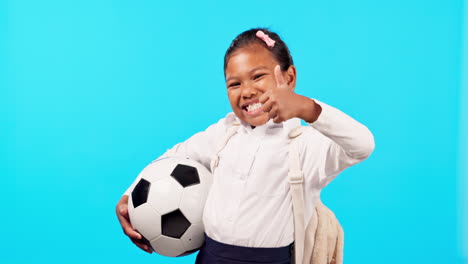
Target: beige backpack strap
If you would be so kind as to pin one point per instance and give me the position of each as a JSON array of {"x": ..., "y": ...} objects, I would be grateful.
[
  {"x": 330, "y": 247},
  {"x": 230, "y": 132},
  {"x": 296, "y": 180}
]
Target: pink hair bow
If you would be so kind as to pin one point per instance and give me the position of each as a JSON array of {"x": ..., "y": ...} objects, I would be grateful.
[{"x": 266, "y": 38}]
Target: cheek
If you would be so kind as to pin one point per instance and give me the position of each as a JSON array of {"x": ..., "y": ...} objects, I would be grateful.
[
  {"x": 266, "y": 84},
  {"x": 233, "y": 95}
]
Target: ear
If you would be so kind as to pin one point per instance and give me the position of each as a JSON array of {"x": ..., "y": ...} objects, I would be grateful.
[{"x": 291, "y": 76}]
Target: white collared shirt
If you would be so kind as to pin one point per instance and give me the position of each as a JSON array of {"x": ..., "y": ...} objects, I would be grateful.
[{"x": 249, "y": 203}]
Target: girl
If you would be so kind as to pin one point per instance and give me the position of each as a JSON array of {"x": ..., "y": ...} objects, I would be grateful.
[{"x": 248, "y": 215}]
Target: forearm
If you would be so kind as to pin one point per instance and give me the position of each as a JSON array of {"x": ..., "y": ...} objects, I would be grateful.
[
  {"x": 309, "y": 110},
  {"x": 352, "y": 136}
]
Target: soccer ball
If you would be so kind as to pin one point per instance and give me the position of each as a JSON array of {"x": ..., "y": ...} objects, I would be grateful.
[{"x": 166, "y": 205}]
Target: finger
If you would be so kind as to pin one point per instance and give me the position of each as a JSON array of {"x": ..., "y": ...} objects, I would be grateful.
[
  {"x": 127, "y": 227},
  {"x": 277, "y": 119},
  {"x": 266, "y": 107},
  {"x": 273, "y": 112},
  {"x": 130, "y": 232},
  {"x": 142, "y": 245},
  {"x": 280, "y": 81},
  {"x": 264, "y": 97},
  {"x": 123, "y": 211}
]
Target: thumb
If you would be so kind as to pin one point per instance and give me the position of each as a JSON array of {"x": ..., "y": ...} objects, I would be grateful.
[
  {"x": 280, "y": 81},
  {"x": 123, "y": 210}
]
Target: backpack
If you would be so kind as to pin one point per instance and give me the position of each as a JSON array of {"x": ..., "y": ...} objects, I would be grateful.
[{"x": 322, "y": 240}]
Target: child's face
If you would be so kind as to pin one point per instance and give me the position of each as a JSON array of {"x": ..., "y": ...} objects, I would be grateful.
[{"x": 249, "y": 74}]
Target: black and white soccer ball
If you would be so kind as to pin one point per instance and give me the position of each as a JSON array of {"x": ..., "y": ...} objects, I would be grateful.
[{"x": 166, "y": 205}]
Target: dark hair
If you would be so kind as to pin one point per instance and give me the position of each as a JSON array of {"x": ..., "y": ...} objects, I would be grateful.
[{"x": 280, "y": 51}]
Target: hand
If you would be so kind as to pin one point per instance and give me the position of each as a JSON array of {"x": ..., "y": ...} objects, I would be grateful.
[
  {"x": 282, "y": 103},
  {"x": 122, "y": 214}
]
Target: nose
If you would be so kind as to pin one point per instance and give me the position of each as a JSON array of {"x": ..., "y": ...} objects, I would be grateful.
[{"x": 248, "y": 91}]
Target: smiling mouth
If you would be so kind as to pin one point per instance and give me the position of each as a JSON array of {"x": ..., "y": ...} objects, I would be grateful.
[{"x": 253, "y": 108}]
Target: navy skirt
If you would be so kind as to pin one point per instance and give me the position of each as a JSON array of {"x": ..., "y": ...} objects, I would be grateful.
[{"x": 214, "y": 252}]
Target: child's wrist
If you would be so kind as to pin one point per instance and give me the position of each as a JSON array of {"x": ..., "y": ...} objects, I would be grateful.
[{"x": 309, "y": 110}]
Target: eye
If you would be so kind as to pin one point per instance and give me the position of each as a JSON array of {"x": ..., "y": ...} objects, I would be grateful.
[
  {"x": 233, "y": 85},
  {"x": 258, "y": 76}
]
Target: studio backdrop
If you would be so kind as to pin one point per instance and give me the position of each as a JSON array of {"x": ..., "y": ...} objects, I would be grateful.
[{"x": 93, "y": 91}]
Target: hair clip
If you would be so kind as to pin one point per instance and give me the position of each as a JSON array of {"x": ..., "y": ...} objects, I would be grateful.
[{"x": 266, "y": 38}]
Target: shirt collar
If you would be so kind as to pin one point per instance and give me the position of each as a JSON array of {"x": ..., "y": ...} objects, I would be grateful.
[{"x": 287, "y": 125}]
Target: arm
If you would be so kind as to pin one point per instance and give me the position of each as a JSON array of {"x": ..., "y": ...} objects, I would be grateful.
[
  {"x": 338, "y": 142},
  {"x": 347, "y": 142},
  {"x": 200, "y": 147}
]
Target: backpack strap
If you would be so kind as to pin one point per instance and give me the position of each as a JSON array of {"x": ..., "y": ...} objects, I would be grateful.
[
  {"x": 296, "y": 180},
  {"x": 230, "y": 132}
]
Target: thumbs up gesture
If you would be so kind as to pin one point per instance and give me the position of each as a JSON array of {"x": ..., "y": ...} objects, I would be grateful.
[{"x": 282, "y": 103}]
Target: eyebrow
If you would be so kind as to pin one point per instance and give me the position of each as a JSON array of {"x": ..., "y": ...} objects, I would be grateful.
[{"x": 254, "y": 69}]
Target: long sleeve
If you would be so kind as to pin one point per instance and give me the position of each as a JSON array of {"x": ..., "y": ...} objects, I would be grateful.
[
  {"x": 199, "y": 147},
  {"x": 347, "y": 142}
]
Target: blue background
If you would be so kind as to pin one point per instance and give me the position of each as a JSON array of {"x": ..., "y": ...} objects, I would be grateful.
[{"x": 92, "y": 91}]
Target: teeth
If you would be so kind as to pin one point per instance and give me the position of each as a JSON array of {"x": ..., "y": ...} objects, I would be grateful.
[{"x": 253, "y": 107}]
